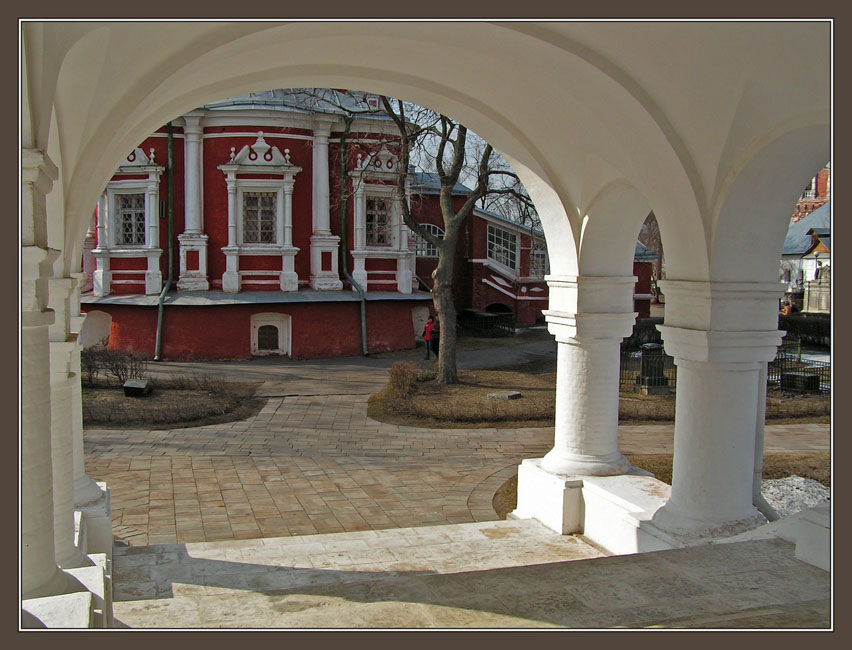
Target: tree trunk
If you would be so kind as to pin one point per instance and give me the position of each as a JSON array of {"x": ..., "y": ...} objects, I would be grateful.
[{"x": 444, "y": 302}]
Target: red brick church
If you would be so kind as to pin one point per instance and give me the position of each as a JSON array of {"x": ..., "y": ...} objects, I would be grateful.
[{"x": 257, "y": 236}]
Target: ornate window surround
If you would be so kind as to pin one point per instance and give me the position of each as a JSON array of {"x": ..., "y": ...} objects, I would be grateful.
[
  {"x": 374, "y": 177},
  {"x": 262, "y": 159},
  {"x": 108, "y": 228}
]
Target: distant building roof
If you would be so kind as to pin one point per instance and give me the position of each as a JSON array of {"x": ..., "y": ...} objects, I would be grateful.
[
  {"x": 798, "y": 241},
  {"x": 644, "y": 254},
  {"x": 299, "y": 100},
  {"x": 427, "y": 183}
]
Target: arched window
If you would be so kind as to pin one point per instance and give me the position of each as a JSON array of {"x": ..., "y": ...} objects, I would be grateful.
[
  {"x": 422, "y": 248},
  {"x": 267, "y": 337},
  {"x": 539, "y": 264}
]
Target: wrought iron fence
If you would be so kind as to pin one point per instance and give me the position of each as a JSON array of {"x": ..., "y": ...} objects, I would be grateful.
[
  {"x": 631, "y": 368},
  {"x": 482, "y": 323},
  {"x": 788, "y": 370}
]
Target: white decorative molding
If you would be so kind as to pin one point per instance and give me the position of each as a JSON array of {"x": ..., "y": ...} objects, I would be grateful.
[{"x": 260, "y": 158}]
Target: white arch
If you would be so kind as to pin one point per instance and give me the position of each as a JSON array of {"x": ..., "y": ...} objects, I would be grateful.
[
  {"x": 593, "y": 111},
  {"x": 754, "y": 208}
]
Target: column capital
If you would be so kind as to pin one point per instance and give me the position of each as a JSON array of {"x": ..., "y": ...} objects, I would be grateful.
[
  {"x": 591, "y": 293},
  {"x": 192, "y": 123},
  {"x": 716, "y": 346},
  {"x": 589, "y": 327},
  {"x": 723, "y": 306},
  {"x": 322, "y": 126},
  {"x": 35, "y": 164}
]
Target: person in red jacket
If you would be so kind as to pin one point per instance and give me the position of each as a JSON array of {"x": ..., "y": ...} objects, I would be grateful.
[{"x": 427, "y": 334}]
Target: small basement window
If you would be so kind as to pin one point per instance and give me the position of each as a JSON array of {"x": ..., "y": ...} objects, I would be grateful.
[{"x": 270, "y": 334}]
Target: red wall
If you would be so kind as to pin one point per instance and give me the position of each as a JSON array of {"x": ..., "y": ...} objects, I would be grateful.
[{"x": 330, "y": 329}]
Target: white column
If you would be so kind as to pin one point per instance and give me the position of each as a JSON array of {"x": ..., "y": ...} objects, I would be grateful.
[
  {"x": 289, "y": 277},
  {"x": 153, "y": 275},
  {"x": 39, "y": 574},
  {"x": 193, "y": 237},
  {"x": 231, "y": 277},
  {"x": 721, "y": 335},
  {"x": 101, "y": 277},
  {"x": 63, "y": 348},
  {"x": 192, "y": 131},
  {"x": 359, "y": 216},
  {"x": 89, "y": 263},
  {"x": 322, "y": 241},
  {"x": 287, "y": 217},
  {"x": 588, "y": 316},
  {"x": 587, "y": 374},
  {"x": 321, "y": 217}
]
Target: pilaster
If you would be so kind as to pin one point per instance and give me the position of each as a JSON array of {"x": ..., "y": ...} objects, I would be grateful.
[
  {"x": 193, "y": 238},
  {"x": 325, "y": 275},
  {"x": 39, "y": 574}
]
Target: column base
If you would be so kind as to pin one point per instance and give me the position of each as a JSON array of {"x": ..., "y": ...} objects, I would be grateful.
[
  {"x": 583, "y": 465},
  {"x": 688, "y": 530},
  {"x": 289, "y": 281},
  {"x": 193, "y": 283},
  {"x": 611, "y": 511},
  {"x": 153, "y": 283},
  {"x": 326, "y": 283},
  {"x": 230, "y": 282}
]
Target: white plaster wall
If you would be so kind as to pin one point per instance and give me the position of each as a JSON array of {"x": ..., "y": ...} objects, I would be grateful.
[
  {"x": 95, "y": 328},
  {"x": 677, "y": 121}
]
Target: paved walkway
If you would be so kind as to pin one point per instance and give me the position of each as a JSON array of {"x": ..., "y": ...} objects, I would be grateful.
[{"x": 312, "y": 462}]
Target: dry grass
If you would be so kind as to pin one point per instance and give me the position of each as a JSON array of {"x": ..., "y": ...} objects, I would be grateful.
[
  {"x": 464, "y": 405},
  {"x": 173, "y": 403},
  {"x": 816, "y": 466}
]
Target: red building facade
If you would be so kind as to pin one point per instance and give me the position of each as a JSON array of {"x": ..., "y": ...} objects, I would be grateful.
[{"x": 258, "y": 235}]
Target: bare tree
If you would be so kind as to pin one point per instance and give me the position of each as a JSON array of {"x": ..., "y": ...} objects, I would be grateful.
[
  {"x": 431, "y": 140},
  {"x": 452, "y": 152}
]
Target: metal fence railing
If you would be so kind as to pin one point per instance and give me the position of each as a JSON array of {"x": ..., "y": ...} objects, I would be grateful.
[
  {"x": 788, "y": 370},
  {"x": 631, "y": 368},
  {"x": 483, "y": 323}
]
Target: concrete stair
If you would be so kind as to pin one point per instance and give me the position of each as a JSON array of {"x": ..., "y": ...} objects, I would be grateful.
[{"x": 505, "y": 574}]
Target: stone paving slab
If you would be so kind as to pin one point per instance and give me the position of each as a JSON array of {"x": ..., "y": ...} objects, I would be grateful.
[
  {"x": 508, "y": 574},
  {"x": 289, "y": 471}
]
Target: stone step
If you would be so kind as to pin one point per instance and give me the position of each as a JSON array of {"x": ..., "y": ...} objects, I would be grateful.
[{"x": 507, "y": 574}]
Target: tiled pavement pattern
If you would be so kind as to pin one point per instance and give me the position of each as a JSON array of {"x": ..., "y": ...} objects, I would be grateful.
[
  {"x": 509, "y": 574},
  {"x": 312, "y": 462},
  {"x": 318, "y": 464}
]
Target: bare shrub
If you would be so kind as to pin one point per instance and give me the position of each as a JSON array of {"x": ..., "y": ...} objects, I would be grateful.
[
  {"x": 401, "y": 378},
  {"x": 114, "y": 366}
]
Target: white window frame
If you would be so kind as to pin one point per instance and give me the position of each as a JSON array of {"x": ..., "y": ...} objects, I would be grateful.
[
  {"x": 285, "y": 333},
  {"x": 385, "y": 193},
  {"x": 539, "y": 248},
  {"x": 515, "y": 252},
  {"x": 423, "y": 248},
  {"x": 265, "y": 185},
  {"x": 123, "y": 188}
]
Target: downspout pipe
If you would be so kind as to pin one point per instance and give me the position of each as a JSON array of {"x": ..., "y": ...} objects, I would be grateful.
[
  {"x": 168, "y": 284},
  {"x": 344, "y": 248},
  {"x": 756, "y": 497}
]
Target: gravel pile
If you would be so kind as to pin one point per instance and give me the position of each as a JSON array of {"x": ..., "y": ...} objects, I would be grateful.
[{"x": 793, "y": 494}]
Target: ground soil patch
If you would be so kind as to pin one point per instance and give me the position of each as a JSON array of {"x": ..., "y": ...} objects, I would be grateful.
[
  {"x": 464, "y": 405},
  {"x": 816, "y": 466},
  {"x": 173, "y": 403}
]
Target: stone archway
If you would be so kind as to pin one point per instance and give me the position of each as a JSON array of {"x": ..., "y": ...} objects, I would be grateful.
[{"x": 582, "y": 111}]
